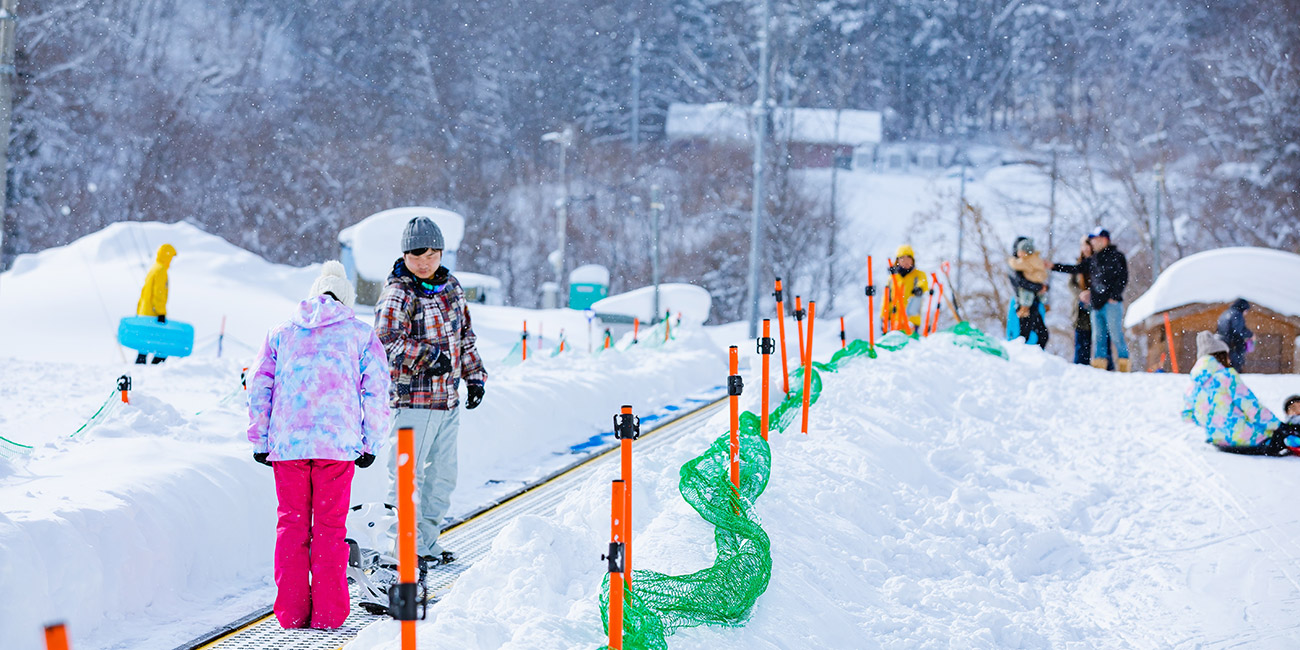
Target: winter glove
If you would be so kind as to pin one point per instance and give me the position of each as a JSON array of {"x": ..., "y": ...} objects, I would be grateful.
[
  {"x": 918, "y": 291},
  {"x": 441, "y": 364},
  {"x": 475, "y": 395},
  {"x": 365, "y": 460},
  {"x": 162, "y": 318},
  {"x": 261, "y": 458}
]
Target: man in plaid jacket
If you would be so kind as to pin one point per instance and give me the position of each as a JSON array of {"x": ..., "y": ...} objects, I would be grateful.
[{"x": 423, "y": 321}]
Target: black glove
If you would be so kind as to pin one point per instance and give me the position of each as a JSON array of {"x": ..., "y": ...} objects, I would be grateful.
[
  {"x": 162, "y": 318},
  {"x": 441, "y": 364},
  {"x": 365, "y": 460},
  {"x": 475, "y": 395},
  {"x": 261, "y": 458},
  {"x": 918, "y": 291},
  {"x": 896, "y": 270}
]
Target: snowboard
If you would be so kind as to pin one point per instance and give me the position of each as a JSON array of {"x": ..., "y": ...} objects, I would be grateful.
[{"x": 146, "y": 335}]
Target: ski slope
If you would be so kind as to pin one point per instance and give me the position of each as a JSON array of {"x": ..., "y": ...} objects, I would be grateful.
[{"x": 943, "y": 497}]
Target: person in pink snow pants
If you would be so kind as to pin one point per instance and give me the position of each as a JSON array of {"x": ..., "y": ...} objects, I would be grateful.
[{"x": 318, "y": 409}]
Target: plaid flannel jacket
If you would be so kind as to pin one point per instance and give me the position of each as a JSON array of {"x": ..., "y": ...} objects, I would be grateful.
[{"x": 414, "y": 327}]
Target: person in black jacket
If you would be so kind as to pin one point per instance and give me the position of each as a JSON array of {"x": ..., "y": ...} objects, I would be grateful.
[
  {"x": 1233, "y": 331},
  {"x": 1107, "y": 272}
]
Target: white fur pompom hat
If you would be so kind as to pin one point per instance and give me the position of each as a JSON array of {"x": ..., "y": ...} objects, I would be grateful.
[{"x": 334, "y": 279}]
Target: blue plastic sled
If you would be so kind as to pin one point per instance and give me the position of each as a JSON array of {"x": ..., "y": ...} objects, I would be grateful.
[{"x": 147, "y": 336}]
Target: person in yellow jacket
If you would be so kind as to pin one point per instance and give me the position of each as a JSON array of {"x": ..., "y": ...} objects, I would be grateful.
[
  {"x": 906, "y": 287},
  {"x": 153, "y": 297}
]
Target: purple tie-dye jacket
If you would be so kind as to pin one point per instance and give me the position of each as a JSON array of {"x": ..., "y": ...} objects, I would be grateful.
[{"x": 319, "y": 387}]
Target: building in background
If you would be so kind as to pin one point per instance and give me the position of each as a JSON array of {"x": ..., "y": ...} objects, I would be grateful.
[
  {"x": 369, "y": 248},
  {"x": 1195, "y": 290}
]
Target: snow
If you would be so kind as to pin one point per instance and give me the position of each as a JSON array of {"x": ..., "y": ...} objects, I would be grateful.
[
  {"x": 377, "y": 240},
  {"x": 827, "y": 126},
  {"x": 590, "y": 274},
  {"x": 692, "y": 302},
  {"x": 1264, "y": 276},
  {"x": 941, "y": 494},
  {"x": 156, "y": 514}
]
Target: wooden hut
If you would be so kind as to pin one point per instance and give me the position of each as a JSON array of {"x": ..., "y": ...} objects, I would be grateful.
[{"x": 1195, "y": 290}]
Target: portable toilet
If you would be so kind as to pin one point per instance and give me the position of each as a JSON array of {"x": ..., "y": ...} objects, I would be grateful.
[{"x": 587, "y": 284}]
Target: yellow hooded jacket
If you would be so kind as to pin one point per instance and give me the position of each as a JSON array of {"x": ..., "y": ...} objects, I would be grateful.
[
  {"x": 902, "y": 287},
  {"x": 153, "y": 297}
]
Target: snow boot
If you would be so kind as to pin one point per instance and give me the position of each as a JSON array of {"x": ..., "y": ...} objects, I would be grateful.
[
  {"x": 1099, "y": 364},
  {"x": 1122, "y": 365}
]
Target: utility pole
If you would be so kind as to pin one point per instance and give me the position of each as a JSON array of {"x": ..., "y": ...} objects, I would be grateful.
[
  {"x": 563, "y": 138},
  {"x": 8, "y": 25},
  {"x": 760, "y": 134},
  {"x": 636, "y": 91},
  {"x": 1155, "y": 237},
  {"x": 961, "y": 219},
  {"x": 1051, "y": 210},
  {"x": 656, "y": 207}
]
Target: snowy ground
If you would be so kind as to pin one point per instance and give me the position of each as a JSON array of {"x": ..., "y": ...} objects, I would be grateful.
[{"x": 944, "y": 498}]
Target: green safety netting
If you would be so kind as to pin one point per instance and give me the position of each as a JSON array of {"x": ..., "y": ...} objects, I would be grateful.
[
  {"x": 724, "y": 594},
  {"x": 969, "y": 336}
]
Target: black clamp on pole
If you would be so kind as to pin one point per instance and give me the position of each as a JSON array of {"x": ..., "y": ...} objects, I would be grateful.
[
  {"x": 766, "y": 345},
  {"x": 800, "y": 313},
  {"x": 615, "y": 557},
  {"x": 124, "y": 382},
  {"x": 871, "y": 289},
  {"x": 735, "y": 385},
  {"x": 842, "y": 337},
  {"x": 627, "y": 426},
  {"x": 777, "y": 294},
  {"x": 404, "y": 602}
]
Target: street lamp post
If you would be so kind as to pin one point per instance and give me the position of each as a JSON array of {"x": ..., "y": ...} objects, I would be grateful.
[
  {"x": 563, "y": 138},
  {"x": 656, "y": 207},
  {"x": 760, "y": 134}
]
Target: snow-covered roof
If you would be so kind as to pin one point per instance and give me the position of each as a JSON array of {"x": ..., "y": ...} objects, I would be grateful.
[
  {"x": 730, "y": 122},
  {"x": 827, "y": 126},
  {"x": 590, "y": 274},
  {"x": 468, "y": 279},
  {"x": 377, "y": 240},
  {"x": 1264, "y": 276},
  {"x": 691, "y": 301}
]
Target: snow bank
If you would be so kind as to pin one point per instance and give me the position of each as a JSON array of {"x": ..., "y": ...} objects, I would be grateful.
[
  {"x": 941, "y": 494},
  {"x": 1264, "y": 276},
  {"x": 691, "y": 301},
  {"x": 157, "y": 514}
]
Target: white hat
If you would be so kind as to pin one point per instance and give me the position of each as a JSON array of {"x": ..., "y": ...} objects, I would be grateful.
[
  {"x": 334, "y": 279},
  {"x": 1208, "y": 343}
]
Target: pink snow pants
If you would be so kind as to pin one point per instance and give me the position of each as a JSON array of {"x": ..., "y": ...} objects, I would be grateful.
[{"x": 311, "y": 556}]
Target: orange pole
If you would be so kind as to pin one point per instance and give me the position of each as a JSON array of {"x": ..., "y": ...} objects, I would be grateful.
[
  {"x": 616, "y": 567},
  {"x": 765, "y": 350},
  {"x": 843, "y": 339},
  {"x": 929, "y": 304},
  {"x": 1169, "y": 336},
  {"x": 871, "y": 304},
  {"x": 807, "y": 366},
  {"x": 56, "y": 637},
  {"x": 668, "y": 326},
  {"x": 780, "y": 323},
  {"x": 734, "y": 391},
  {"x": 124, "y": 387},
  {"x": 636, "y": 329},
  {"x": 887, "y": 323},
  {"x": 938, "y": 307},
  {"x": 607, "y": 339},
  {"x": 561, "y": 339},
  {"x": 625, "y": 450},
  {"x": 898, "y": 306},
  {"x": 525, "y": 340},
  {"x": 798, "y": 318},
  {"x": 406, "y": 568}
]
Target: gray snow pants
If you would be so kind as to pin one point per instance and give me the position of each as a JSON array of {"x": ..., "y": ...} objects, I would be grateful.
[{"x": 435, "y": 471}]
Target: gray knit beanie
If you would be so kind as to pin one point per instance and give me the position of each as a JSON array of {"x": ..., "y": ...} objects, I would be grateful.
[
  {"x": 421, "y": 232},
  {"x": 1208, "y": 343}
]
